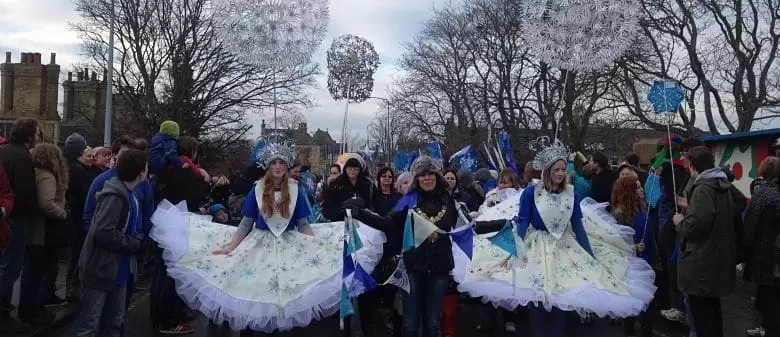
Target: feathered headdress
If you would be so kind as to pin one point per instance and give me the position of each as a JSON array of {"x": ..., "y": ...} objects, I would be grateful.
[
  {"x": 547, "y": 152},
  {"x": 268, "y": 149}
]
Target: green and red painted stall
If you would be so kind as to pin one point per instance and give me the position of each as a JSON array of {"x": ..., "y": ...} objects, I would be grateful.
[{"x": 742, "y": 152}]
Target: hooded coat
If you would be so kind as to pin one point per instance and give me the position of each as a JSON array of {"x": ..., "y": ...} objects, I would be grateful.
[{"x": 705, "y": 266}]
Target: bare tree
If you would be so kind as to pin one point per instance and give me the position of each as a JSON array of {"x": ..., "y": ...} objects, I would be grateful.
[
  {"x": 170, "y": 65},
  {"x": 724, "y": 55}
]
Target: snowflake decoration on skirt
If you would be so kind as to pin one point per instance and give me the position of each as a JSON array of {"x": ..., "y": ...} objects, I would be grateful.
[
  {"x": 272, "y": 33},
  {"x": 579, "y": 35}
]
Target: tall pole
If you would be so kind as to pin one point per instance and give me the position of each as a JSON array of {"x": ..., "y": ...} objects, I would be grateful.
[
  {"x": 109, "y": 82},
  {"x": 387, "y": 154}
]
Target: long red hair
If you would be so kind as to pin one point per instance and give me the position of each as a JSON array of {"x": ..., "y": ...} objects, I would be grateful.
[
  {"x": 269, "y": 200},
  {"x": 626, "y": 201}
]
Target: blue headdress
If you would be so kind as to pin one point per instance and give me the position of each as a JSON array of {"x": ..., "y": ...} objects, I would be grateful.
[{"x": 270, "y": 148}]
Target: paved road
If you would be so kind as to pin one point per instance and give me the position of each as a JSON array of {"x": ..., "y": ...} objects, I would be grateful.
[{"x": 138, "y": 326}]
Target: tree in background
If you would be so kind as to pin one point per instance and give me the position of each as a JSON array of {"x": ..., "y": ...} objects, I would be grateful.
[{"x": 170, "y": 64}]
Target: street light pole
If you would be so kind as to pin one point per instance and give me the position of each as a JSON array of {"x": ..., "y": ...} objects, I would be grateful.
[{"x": 109, "y": 82}]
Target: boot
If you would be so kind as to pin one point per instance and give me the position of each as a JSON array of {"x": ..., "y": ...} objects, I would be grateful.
[{"x": 449, "y": 308}]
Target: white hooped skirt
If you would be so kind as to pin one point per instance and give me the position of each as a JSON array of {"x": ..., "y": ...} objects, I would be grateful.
[
  {"x": 560, "y": 273},
  {"x": 267, "y": 283}
]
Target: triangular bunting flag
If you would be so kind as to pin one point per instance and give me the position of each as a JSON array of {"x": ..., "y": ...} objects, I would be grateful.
[
  {"x": 505, "y": 239},
  {"x": 399, "y": 278},
  {"x": 355, "y": 244},
  {"x": 345, "y": 307},
  {"x": 464, "y": 239},
  {"x": 408, "y": 242},
  {"x": 422, "y": 229},
  {"x": 348, "y": 265},
  {"x": 361, "y": 282}
]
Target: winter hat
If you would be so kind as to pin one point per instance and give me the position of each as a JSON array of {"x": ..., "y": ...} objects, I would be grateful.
[
  {"x": 425, "y": 164},
  {"x": 483, "y": 175},
  {"x": 465, "y": 177},
  {"x": 74, "y": 145},
  {"x": 216, "y": 208},
  {"x": 170, "y": 128}
]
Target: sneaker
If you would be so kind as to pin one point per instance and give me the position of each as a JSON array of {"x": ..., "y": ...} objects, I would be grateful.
[
  {"x": 179, "y": 329},
  {"x": 674, "y": 315},
  {"x": 510, "y": 327},
  {"x": 56, "y": 302},
  {"x": 757, "y": 332}
]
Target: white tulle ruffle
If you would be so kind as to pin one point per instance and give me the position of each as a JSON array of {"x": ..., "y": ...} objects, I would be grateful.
[
  {"x": 612, "y": 244},
  {"x": 174, "y": 229}
]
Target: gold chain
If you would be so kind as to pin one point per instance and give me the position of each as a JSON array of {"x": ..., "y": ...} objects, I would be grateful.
[{"x": 433, "y": 219}]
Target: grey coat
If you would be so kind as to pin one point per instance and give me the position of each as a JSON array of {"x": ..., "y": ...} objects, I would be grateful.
[{"x": 106, "y": 241}]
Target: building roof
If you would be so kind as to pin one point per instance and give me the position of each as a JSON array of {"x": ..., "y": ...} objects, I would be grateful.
[{"x": 741, "y": 135}]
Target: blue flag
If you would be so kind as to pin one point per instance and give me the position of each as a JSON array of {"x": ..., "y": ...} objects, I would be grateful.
[
  {"x": 505, "y": 239},
  {"x": 354, "y": 244},
  {"x": 464, "y": 239},
  {"x": 506, "y": 147},
  {"x": 434, "y": 150},
  {"x": 360, "y": 282},
  {"x": 348, "y": 266},
  {"x": 408, "y": 243},
  {"x": 345, "y": 307}
]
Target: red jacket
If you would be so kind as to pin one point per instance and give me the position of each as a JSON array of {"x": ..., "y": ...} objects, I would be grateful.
[{"x": 7, "y": 204}]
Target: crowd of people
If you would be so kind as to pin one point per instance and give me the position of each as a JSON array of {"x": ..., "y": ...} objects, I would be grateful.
[{"x": 262, "y": 250}]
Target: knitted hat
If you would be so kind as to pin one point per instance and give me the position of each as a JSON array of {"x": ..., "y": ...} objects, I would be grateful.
[
  {"x": 170, "y": 128},
  {"x": 216, "y": 208},
  {"x": 74, "y": 145}
]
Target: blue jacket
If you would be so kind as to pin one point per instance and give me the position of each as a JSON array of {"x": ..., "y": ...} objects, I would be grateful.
[
  {"x": 143, "y": 191},
  {"x": 163, "y": 152}
]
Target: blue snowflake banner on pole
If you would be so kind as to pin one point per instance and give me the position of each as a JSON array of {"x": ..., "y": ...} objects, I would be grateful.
[
  {"x": 666, "y": 96},
  {"x": 401, "y": 161},
  {"x": 434, "y": 150},
  {"x": 465, "y": 158},
  {"x": 503, "y": 139}
]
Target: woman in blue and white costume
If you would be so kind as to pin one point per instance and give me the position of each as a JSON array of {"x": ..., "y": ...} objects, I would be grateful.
[
  {"x": 276, "y": 272},
  {"x": 556, "y": 270}
]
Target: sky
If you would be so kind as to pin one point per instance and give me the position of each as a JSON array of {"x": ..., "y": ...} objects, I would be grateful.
[{"x": 42, "y": 26}]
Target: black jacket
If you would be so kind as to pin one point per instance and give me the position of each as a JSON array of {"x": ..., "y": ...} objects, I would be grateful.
[
  {"x": 762, "y": 234},
  {"x": 17, "y": 161},
  {"x": 341, "y": 190},
  {"x": 601, "y": 185},
  {"x": 182, "y": 184},
  {"x": 384, "y": 203},
  {"x": 430, "y": 257},
  {"x": 106, "y": 241},
  {"x": 79, "y": 180}
]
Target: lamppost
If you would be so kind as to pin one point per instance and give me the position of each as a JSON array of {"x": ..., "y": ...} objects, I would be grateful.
[
  {"x": 387, "y": 129},
  {"x": 109, "y": 81}
]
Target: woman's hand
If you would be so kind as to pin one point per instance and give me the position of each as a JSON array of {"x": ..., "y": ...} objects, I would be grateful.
[
  {"x": 506, "y": 264},
  {"x": 640, "y": 247},
  {"x": 225, "y": 250}
]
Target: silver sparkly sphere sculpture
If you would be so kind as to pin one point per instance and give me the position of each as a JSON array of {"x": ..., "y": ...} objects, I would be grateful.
[
  {"x": 352, "y": 62},
  {"x": 579, "y": 35},
  {"x": 272, "y": 33}
]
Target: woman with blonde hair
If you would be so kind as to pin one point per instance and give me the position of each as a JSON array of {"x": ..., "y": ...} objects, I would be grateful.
[{"x": 48, "y": 234}]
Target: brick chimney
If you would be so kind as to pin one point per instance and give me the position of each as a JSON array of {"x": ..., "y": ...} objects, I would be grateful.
[
  {"x": 53, "y": 58},
  {"x": 23, "y": 58},
  {"x": 37, "y": 58},
  {"x": 8, "y": 57},
  {"x": 70, "y": 76}
]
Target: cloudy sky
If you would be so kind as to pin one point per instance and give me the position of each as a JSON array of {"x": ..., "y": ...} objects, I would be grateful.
[{"x": 41, "y": 26}]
